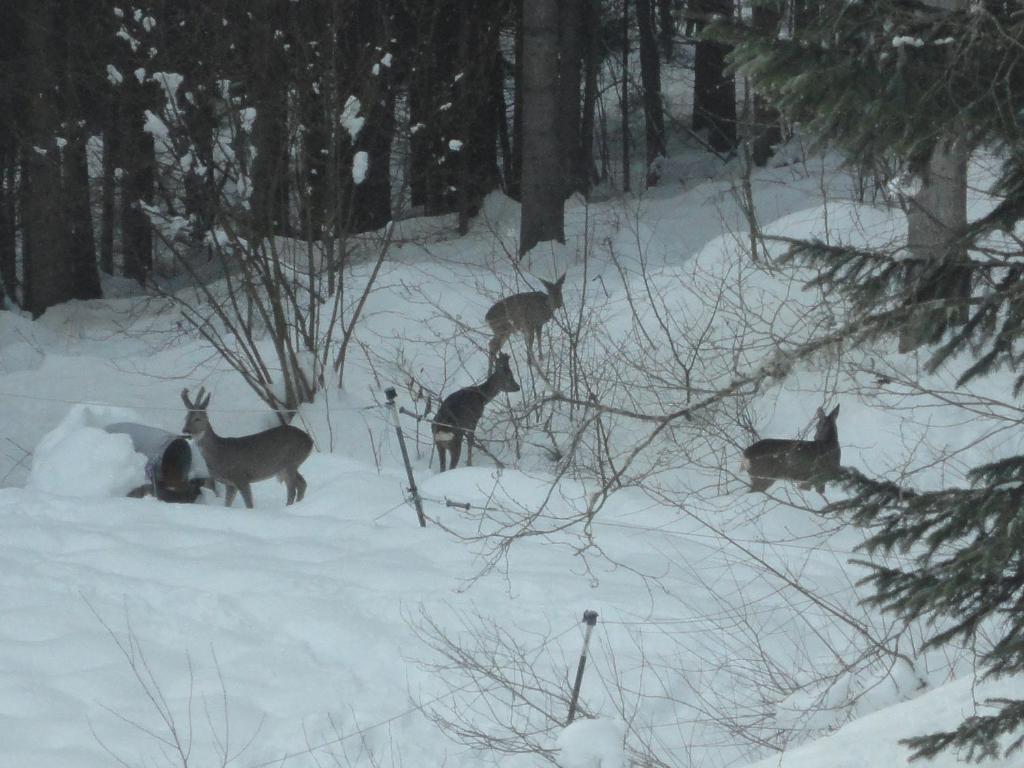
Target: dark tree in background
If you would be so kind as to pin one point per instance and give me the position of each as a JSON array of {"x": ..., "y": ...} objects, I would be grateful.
[
  {"x": 543, "y": 187},
  {"x": 650, "y": 73},
  {"x": 714, "y": 87},
  {"x": 765, "y": 127},
  {"x": 136, "y": 127}
]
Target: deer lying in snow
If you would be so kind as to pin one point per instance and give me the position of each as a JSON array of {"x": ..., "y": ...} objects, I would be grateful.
[
  {"x": 240, "y": 461},
  {"x": 459, "y": 413},
  {"x": 809, "y": 462}
]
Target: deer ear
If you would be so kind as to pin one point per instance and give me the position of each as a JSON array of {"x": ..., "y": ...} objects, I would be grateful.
[
  {"x": 835, "y": 412},
  {"x": 559, "y": 281},
  {"x": 185, "y": 400},
  {"x": 202, "y": 399}
]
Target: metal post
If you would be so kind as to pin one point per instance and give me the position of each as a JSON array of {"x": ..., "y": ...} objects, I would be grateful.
[
  {"x": 391, "y": 395},
  {"x": 590, "y": 619}
]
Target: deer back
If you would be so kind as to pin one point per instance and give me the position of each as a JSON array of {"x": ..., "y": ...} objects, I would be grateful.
[
  {"x": 255, "y": 457},
  {"x": 526, "y": 311},
  {"x": 800, "y": 460}
]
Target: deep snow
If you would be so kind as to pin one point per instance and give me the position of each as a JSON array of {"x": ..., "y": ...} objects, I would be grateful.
[{"x": 288, "y": 636}]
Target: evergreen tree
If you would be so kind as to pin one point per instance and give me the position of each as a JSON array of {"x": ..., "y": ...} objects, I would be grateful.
[{"x": 887, "y": 79}]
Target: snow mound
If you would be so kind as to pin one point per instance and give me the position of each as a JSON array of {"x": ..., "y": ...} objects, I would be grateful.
[
  {"x": 593, "y": 744},
  {"x": 79, "y": 458}
]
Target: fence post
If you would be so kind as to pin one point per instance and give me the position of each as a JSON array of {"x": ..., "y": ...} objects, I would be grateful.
[
  {"x": 391, "y": 395},
  {"x": 590, "y": 619}
]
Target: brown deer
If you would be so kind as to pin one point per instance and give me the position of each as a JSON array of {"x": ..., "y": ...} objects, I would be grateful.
[
  {"x": 809, "y": 462},
  {"x": 459, "y": 413},
  {"x": 523, "y": 313},
  {"x": 240, "y": 461}
]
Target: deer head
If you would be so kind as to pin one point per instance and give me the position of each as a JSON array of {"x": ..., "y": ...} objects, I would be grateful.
[{"x": 196, "y": 421}]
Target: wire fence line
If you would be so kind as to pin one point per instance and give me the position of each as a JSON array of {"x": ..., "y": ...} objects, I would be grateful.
[{"x": 178, "y": 408}]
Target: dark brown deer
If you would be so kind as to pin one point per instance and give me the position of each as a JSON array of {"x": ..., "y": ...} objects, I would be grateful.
[
  {"x": 459, "y": 413},
  {"x": 523, "y": 313},
  {"x": 809, "y": 462},
  {"x": 240, "y": 461}
]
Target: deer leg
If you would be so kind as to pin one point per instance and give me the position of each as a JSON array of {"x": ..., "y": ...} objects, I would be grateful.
[
  {"x": 229, "y": 494},
  {"x": 300, "y": 483},
  {"x": 289, "y": 483},
  {"x": 246, "y": 490},
  {"x": 455, "y": 448},
  {"x": 469, "y": 449},
  {"x": 442, "y": 455}
]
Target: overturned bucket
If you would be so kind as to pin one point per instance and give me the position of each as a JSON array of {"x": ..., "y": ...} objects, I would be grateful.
[{"x": 175, "y": 472}]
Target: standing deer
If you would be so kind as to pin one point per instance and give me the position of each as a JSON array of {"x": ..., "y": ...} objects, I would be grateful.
[
  {"x": 240, "y": 461},
  {"x": 523, "y": 313},
  {"x": 809, "y": 462},
  {"x": 459, "y": 413}
]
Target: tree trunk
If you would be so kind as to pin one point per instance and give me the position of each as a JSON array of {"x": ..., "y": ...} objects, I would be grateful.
[
  {"x": 591, "y": 67},
  {"x": 48, "y": 279},
  {"x": 574, "y": 166},
  {"x": 138, "y": 179},
  {"x": 666, "y": 28},
  {"x": 542, "y": 211},
  {"x": 766, "y": 127},
  {"x": 269, "y": 204},
  {"x": 624, "y": 101},
  {"x": 714, "y": 91},
  {"x": 650, "y": 76},
  {"x": 936, "y": 216},
  {"x": 8, "y": 224},
  {"x": 111, "y": 149},
  {"x": 515, "y": 179},
  {"x": 78, "y": 210}
]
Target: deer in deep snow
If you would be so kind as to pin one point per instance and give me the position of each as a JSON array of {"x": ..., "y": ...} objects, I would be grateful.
[
  {"x": 240, "y": 461},
  {"x": 523, "y": 313},
  {"x": 809, "y": 462},
  {"x": 459, "y": 413}
]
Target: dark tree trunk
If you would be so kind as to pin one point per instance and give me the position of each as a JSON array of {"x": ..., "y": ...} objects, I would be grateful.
[
  {"x": 8, "y": 224},
  {"x": 269, "y": 203},
  {"x": 624, "y": 101},
  {"x": 313, "y": 196},
  {"x": 515, "y": 179},
  {"x": 504, "y": 135},
  {"x": 666, "y": 28},
  {"x": 372, "y": 198},
  {"x": 542, "y": 210},
  {"x": 714, "y": 91},
  {"x": 81, "y": 240},
  {"x": 650, "y": 76},
  {"x": 591, "y": 67},
  {"x": 108, "y": 189},
  {"x": 477, "y": 105},
  {"x": 48, "y": 279},
  {"x": 138, "y": 179},
  {"x": 766, "y": 126},
  {"x": 81, "y": 95},
  {"x": 574, "y": 165}
]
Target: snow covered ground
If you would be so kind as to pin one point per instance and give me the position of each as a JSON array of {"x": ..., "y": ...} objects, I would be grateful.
[{"x": 140, "y": 633}]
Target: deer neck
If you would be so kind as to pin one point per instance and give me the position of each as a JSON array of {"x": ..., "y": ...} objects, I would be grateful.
[
  {"x": 489, "y": 389},
  {"x": 207, "y": 440}
]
